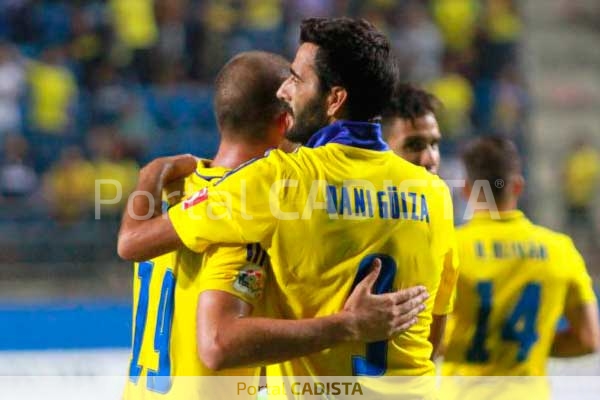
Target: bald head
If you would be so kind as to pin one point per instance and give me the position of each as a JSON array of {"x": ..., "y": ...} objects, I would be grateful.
[{"x": 246, "y": 105}]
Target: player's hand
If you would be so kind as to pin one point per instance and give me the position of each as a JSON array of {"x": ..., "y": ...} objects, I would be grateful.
[
  {"x": 375, "y": 317},
  {"x": 169, "y": 169}
]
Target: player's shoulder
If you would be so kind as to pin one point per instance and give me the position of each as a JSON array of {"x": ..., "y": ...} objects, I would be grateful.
[{"x": 553, "y": 238}]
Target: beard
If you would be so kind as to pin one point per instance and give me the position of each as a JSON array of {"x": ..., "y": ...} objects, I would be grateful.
[{"x": 308, "y": 120}]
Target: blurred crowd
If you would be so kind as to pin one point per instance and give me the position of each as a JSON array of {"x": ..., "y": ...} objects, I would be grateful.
[{"x": 93, "y": 89}]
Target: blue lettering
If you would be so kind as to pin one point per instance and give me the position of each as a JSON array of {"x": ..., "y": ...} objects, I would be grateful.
[
  {"x": 370, "y": 203},
  {"x": 383, "y": 207},
  {"x": 498, "y": 253},
  {"x": 479, "y": 249},
  {"x": 359, "y": 201},
  {"x": 424, "y": 209},
  {"x": 331, "y": 199},
  {"x": 394, "y": 202},
  {"x": 413, "y": 197},
  {"x": 404, "y": 206},
  {"x": 345, "y": 206},
  {"x": 543, "y": 252}
]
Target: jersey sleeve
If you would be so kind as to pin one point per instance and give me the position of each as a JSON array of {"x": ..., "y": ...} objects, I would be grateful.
[
  {"x": 235, "y": 210},
  {"x": 446, "y": 249},
  {"x": 238, "y": 270},
  {"x": 580, "y": 290}
]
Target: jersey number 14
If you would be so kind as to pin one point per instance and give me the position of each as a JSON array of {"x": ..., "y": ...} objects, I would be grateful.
[
  {"x": 519, "y": 327},
  {"x": 158, "y": 380}
]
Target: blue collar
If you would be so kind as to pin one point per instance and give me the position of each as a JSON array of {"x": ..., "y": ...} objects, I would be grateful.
[{"x": 364, "y": 135}]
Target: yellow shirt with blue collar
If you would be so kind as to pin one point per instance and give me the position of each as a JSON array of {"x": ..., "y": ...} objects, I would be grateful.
[{"x": 323, "y": 214}]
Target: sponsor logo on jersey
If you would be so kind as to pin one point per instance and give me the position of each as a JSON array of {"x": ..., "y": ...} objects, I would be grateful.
[
  {"x": 198, "y": 197},
  {"x": 250, "y": 281}
]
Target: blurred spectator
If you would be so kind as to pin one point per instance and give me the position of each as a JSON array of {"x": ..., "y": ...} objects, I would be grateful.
[
  {"x": 53, "y": 92},
  {"x": 457, "y": 20},
  {"x": 260, "y": 26},
  {"x": 511, "y": 102},
  {"x": 18, "y": 179},
  {"x": 137, "y": 127},
  {"x": 12, "y": 84},
  {"x": 418, "y": 43},
  {"x": 135, "y": 27},
  {"x": 581, "y": 179},
  {"x": 110, "y": 94},
  {"x": 69, "y": 187},
  {"x": 456, "y": 94},
  {"x": 110, "y": 162},
  {"x": 502, "y": 30},
  {"x": 172, "y": 39}
]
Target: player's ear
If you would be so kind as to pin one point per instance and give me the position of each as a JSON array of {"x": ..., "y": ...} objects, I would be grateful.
[
  {"x": 518, "y": 185},
  {"x": 284, "y": 122},
  {"x": 336, "y": 99}
]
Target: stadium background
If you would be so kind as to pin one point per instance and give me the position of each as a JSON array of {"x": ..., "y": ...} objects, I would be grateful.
[{"x": 93, "y": 89}]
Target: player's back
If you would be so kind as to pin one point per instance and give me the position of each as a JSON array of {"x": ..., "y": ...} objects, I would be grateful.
[
  {"x": 352, "y": 205},
  {"x": 164, "y": 360},
  {"x": 515, "y": 278}
]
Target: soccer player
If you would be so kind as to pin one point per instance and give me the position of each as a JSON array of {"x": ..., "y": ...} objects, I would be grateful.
[
  {"x": 410, "y": 126},
  {"x": 411, "y": 130},
  {"x": 166, "y": 289},
  {"x": 326, "y": 211},
  {"x": 516, "y": 280}
]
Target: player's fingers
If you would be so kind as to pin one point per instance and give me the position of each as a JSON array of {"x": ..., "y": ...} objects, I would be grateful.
[
  {"x": 369, "y": 281},
  {"x": 183, "y": 164},
  {"x": 413, "y": 303},
  {"x": 403, "y": 314},
  {"x": 403, "y": 327},
  {"x": 406, "y": 294}
]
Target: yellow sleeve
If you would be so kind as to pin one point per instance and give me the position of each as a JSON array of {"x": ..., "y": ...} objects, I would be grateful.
[
  {"x": 447, "y": 250},
  {"x": 239, "y": 271},
  {"x": 234, "y": 210},
  {"x": 581, "y": 290}
]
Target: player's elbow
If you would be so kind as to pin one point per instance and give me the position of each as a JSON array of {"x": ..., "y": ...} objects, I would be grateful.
[
  {"x": 590, "y": 340},
  {"x": 212, "y": 354},
  {"x": 127, "y": 248}
]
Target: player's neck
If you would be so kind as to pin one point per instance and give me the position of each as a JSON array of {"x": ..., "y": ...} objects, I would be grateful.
[
  {"x": 231, "y": 155},
  {"x": 507, "y": 205}
]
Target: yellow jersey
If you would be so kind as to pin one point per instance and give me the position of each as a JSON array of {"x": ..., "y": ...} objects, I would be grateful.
[
  {"x": 164, "y": 355},
  {"x": 516, "y": 280},
  {"x": 323, "y": 214}
]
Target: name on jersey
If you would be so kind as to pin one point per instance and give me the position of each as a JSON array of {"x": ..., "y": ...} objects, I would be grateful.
[
  {"x": 390, "y": 203},
  {"x": 500, "y": 249}
]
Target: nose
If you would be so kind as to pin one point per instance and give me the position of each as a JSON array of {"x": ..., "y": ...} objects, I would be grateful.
[
  {"x": 283, "y": 91},
  {"x": 428, "y": 158}
]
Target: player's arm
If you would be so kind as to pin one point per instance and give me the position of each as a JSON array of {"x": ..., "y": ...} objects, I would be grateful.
[
  {"x": 582, "y": 335},
  {"x": 228, "y": 336},
  {"x": 144, "y": 233},
  {"x": 230, "y": 212},
  {"x": 581, "y": 311},
  {"x": 436, "y": 334},
  {"x": 444, "y": 299}
]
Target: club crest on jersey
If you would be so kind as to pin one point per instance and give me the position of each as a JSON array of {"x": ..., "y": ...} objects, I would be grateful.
[
  {"x": 250, "y": 281},
  {"x": 198, "y": 197}
]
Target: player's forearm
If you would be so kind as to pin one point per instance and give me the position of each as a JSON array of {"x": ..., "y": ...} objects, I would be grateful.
[
  {"x": 436, "y": 335},
  {"x": 144, "y": 232},
  {"x": 255, "y": 341},
  {"x": 570, "y": 344}
]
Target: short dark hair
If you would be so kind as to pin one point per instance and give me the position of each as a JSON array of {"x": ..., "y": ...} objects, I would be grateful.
[
  {"x": 410, "y": 102},
  {"x": 245, "y": 93},
  {"x": 353, "y": 54},
  {"x": 492, "y": 158}
]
